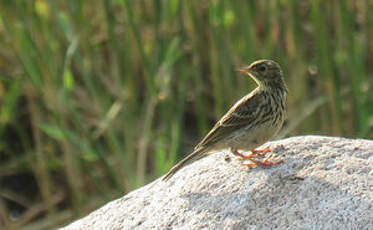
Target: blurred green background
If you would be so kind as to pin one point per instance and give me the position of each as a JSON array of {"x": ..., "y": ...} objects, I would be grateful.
[{"x": 99, "y": 97}]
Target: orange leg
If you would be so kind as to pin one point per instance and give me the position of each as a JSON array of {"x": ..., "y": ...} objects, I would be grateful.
[
  {"x": 253, "y": 153},
  {"x": 242, "y": 156},
  {"x": 262, "y": 152}
]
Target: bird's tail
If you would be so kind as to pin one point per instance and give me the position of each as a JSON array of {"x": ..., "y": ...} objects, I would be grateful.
[{"x": 196, "y": 155}]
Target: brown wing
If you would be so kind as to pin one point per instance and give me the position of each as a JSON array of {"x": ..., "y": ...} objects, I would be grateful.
[{"x": 243, "y": 113}]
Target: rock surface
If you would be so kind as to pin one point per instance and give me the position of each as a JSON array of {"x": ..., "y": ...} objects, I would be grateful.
[{"x": 324, "y": 183}]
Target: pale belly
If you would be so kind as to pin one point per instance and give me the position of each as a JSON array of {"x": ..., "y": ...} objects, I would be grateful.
[{"x": 249, "y": 139}]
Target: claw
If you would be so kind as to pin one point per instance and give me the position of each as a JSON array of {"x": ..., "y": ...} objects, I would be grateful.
[
  {"x": 251, "y": 165},
  {"x": 243, "y": 157}
]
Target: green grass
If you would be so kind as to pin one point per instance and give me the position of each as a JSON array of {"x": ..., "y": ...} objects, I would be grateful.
[{"x": 100, "y": 97}]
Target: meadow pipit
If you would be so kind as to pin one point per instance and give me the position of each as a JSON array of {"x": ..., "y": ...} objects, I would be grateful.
[{"x": 251, "y": 122}]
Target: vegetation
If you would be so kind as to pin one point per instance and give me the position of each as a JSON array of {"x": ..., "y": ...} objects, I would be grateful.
[{"x": 99, "y": 97}]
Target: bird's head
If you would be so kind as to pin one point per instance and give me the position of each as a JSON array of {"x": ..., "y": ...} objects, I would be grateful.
[{"x": 266, "y": 73}]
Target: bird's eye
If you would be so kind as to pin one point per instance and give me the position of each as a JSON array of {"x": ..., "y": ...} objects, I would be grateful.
[{"x": 262, "y": 68}]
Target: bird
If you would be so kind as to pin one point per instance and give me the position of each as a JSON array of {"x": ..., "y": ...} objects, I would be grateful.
[{"x": 250, "y": 122}]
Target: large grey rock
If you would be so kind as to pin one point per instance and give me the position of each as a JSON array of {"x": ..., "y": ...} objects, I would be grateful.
[{"x": 324, "y": 183}]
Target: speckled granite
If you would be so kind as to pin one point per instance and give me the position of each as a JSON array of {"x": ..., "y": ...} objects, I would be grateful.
[{"x": 324, "y": 183}]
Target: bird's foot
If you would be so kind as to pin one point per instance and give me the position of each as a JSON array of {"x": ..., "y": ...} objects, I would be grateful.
[
  {"x": 242, "y": 156},
  {"x": 264, "y": 164},
  {"x": 261, "y": 152},
  {"x": 253, "y": 153}
]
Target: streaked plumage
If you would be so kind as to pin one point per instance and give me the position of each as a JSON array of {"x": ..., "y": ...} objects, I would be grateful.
[{"x": 252, "y": 121}]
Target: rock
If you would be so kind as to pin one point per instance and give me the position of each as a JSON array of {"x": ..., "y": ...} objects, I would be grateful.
[{"x": 323, "y": 183}]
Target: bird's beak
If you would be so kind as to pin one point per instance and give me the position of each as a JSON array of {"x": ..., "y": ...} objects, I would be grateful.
[
  {"x": 244, "y": 70},
  {"x": 248, "y": 70}
]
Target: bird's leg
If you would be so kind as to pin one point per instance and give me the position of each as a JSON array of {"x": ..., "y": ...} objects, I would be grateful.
[
  {"x": 242, "y": 156},
  {"x": 261, "y": 152},
  {"x": 235, "y": 152},
  {"x": 253, "y": 153},
  {"x": 265, "y": 163}
]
